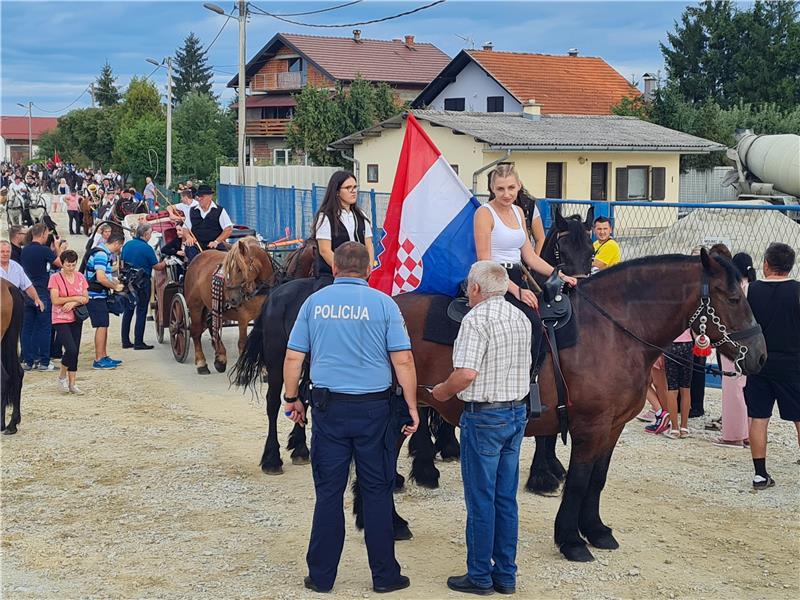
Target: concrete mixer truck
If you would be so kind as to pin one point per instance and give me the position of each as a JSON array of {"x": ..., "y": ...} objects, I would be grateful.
[{"x": 767, "y": 167}]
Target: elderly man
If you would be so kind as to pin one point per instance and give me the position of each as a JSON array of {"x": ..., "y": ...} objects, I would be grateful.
[
  {"x": 491, "y": 362},
  {"x": 138, "y": 253},
  {"x": 209, "y": 223},
  {"x": 11, "y": 271}
]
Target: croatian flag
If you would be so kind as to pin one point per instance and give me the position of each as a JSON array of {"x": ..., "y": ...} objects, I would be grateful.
[{"x": 428, "y": 244}]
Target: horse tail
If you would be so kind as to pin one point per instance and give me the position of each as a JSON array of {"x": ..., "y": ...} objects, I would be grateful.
[{"x": 247, "y": 370}]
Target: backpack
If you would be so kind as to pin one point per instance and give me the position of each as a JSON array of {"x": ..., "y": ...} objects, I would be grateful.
[{"x": 94, "y": 285}]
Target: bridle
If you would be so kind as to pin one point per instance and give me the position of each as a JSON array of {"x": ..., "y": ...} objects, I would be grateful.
[{"x": 702, "y": 315}]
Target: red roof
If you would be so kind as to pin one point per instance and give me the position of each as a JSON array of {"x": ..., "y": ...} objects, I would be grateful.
[
  {"x": 569, "y": 85},
  {"x": 264, "y": 100},
  {"x": 16, "y": 128}
]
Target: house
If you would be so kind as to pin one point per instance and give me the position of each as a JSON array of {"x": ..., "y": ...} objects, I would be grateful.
[
  {"x": 288, "y": 62},
  {"x": 578, "y": 157},
  {"x": 490, "y": 81},
  {"x": 14, "y": 135}
]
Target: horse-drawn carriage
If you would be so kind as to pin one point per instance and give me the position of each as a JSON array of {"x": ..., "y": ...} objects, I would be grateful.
[{"x": 25, "y": 207}]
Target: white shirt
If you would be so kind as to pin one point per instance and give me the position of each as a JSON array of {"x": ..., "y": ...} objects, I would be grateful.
[
  {"x": 185, "y": 208},
  {"x": 507, "y": 242},
  {"x": 15, "y": 275},
  {"x": 224, "y": 219},
  {"x": 348, "y": 219},
  {"x": 18, "y": 187}
]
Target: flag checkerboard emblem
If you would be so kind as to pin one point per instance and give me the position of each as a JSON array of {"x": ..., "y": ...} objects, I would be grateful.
[{"x": 408, "y": 274}]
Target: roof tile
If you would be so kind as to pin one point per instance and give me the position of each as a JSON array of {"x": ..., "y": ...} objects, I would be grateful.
[{"x": 16, "y": 128}]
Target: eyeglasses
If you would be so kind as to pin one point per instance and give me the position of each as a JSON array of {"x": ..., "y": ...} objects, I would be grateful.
[{"x": 350, "y": 188}]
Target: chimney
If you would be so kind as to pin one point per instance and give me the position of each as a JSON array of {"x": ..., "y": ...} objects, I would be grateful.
[
  {"x": 572, "y": 52},
  {"x": 409, "y": 40},
  {"x": 488, "y": 46},
  {"x": 650, "y": 86},
  {"x": 531, "y": 110},
  {"x": 356, "y": 35}
]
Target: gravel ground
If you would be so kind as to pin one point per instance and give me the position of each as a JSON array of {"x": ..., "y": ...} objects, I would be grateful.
[{"x": 148, "y": 486}]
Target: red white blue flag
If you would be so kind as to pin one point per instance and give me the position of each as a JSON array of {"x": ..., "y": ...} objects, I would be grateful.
[{"x": 428, "y": 244}]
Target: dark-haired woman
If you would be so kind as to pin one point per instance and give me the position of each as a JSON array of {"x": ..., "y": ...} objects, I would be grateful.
[
  {"x": 339, "y": 220},
  {"x": 68, "y": 290}
]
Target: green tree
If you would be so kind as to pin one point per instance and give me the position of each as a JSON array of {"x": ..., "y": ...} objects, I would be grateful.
[
  {"x": 203, "y": 135},
  {"x": 142, "y": 100},
  {"x": 192, "y": 73},
  {"x": 133, "y": 144},
  {"x": 106, "y": 92}
]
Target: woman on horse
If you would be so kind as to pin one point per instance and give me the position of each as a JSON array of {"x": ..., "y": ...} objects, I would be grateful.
[
  {"x": 501, "y": 236},
  {"x": 339, "y": 220}
]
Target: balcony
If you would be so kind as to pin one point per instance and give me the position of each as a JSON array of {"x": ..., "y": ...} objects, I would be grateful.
[
  {"x": 267, "y": 127},
  {"x": 271, "y": 82}
]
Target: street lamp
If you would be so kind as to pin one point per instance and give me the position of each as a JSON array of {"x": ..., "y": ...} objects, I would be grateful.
[
  {"x": 242, "y": 86},
  {"x": 30, "y": 127},
  {"x": 168, "y": 62}
]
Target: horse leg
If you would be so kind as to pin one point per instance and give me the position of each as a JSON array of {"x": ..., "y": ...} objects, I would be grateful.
[
  {"x": 589, "y": 521},
  {"x": 567, "y": 538},
  {"x": 541, "y": 480},
  {"x": 556, "y": 468},
  {"x": 271, "y": 463},
  {"x": 198, "y": 326},
  {"x": 401, "y": 530},
  {"x": 297, "y": 444},
  {"x": 446, "y": 442},
  {"x": 423, "y": 452},
  {"x": 220, "y": 354}
]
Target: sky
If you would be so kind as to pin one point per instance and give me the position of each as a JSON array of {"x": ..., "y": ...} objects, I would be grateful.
[{"x": 51, "y": 51}]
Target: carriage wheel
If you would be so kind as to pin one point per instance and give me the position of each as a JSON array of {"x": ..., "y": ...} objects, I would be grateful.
[
  {"x": 179, "y": 336},
  {"x": 157, "y": 322}
]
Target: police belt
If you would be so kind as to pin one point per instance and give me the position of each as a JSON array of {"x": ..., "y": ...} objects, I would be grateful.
[
  {"x": 318, "y": 392},
  {"x": 479, "y": 406}
]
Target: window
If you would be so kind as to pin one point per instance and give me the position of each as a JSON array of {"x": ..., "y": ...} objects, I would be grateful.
[
  {"x": 637, "y": 183},
  {"x": 295, "y": 65},
  {"x": 372, "y": 173},
  {"x": 494, "y": 104},
  {"x": 280, "y": 156},
  {"x": 454, "y": 104},
  {"x": 554, "y": 180},
  {"x": 276, "y": 112},
  {"x": 641, "y": 183},
  {"x": 455, "y": 168}
]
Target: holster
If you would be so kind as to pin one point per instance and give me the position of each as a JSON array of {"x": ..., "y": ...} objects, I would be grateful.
[
  {"x": 320, "y": 398},
  {"x": 399, "y": 410}
]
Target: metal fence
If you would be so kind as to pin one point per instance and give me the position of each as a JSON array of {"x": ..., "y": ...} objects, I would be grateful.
[{"x": 641, "y": 228}]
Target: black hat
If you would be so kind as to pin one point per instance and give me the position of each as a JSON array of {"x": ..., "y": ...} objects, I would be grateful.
[{"x": 205, "y": 190}]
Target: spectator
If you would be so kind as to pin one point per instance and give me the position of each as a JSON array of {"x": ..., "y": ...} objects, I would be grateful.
[
  {"x": 98, "y": 274},
  {"x": 656, "y": 395},
  {"x": 68, "y": 290},
  {"x": 775, "y": 302},
  {"x": 180, "y": 211},
  {"x": 606, "y": 249},
  {"x": 11, "y": 271},
  {"x": 679, "y": 380},
  {"x": 72, "y": 200},
  {"x": 138, "y": 253},
  {"x": 16, "y": 235},
  {"x": 149, "y": 194},
  {"x": 37, "y": 257},
  {"x": 101, "y": 235}
]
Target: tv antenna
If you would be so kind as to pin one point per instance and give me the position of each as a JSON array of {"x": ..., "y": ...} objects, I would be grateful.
[{"x": 468, "y": 40}]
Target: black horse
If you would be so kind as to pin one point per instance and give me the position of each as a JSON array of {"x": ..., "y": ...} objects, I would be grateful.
[{"x": 11, "y": 373}]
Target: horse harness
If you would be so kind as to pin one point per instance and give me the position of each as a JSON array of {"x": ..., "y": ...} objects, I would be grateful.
[{"x": 219, "y": 305}]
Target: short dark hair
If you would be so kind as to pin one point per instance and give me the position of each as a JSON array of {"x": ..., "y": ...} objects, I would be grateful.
[
  {"x": 37, "y": 230},
  {"x": 351, "y": 257},
  {"x": 780, "y": 257},
  {"x": 69, "y": 256},
  {"x": 602, "y": 219},
  {"x": 115, "y": 237}
]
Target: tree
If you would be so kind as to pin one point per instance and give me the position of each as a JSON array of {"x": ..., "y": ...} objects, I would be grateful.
[
  {"x": 134, "y": 145},
  {"x": 106, "y": 92},
  {"x": 192, "y": 73},
  {"x": 204, "y": 134},
  {"x": 141, "y": 100}
]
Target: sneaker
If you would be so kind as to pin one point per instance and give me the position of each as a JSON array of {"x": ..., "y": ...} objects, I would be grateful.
[
  {"x": 661, "y": 423},
  {"x": 74, "y": 389},
  {"x": 761, "y": 483},
  {"x": 113, "y": 361},
  {"x": 64, "y": 383},
  {"x": 646, "y": 416},
  {"x": 47, "y": 367},
  {"x": 103, "y": 364},
  {"x": 28, "y": 366}
]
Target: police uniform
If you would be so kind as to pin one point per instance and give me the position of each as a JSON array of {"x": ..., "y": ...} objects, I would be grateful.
[{"x": 349, "y": 329}]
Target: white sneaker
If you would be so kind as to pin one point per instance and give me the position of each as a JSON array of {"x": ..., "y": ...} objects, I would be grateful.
[
  {"x": 74, "y": 389},
  {"x": 64, "y": 383}
]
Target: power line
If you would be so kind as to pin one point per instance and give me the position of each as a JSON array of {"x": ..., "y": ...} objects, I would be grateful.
[
  {"x": 83, "y": 93},
  {"x": 216, "y": 37},
  {"x": 262, "y": 12},
  {"x": 321, "y": 10}
]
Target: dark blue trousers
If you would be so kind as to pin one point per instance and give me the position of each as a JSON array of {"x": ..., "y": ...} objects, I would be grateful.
[
  {"x": 343, "y": 431},
  {"x": 36, "y": 328},
  {"x": 140, "y": 308}
]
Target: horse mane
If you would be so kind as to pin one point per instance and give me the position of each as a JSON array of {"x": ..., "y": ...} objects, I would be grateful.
[{"x": 235, "y": 258}]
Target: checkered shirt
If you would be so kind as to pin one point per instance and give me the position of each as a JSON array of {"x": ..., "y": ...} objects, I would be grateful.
[{"x": 495, "y": 341}]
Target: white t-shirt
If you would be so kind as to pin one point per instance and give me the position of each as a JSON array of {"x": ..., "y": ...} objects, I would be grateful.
[
  {"x": 348, "y": 219},
  {"x": 185, "y": 208},
  {"x": 224, "y": 219},
  {"x": 18, "y": 188},
  {"x": 16, "y": 275}
]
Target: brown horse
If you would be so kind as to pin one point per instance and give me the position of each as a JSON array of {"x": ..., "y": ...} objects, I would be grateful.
[
  {"x": 625, "y": 316},
  {"x": 11, "y": 373},
  {"x": 86, "y": 205},
  {"x": 248, "y": 273},
  {"x": 300, "y": 263}
]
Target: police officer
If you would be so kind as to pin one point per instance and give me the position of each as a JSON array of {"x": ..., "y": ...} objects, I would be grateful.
[
  {"x": 355, "y": 334},
  {"x": 209, "y": 223}
]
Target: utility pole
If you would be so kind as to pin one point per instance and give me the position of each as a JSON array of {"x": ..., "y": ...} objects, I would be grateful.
[
  {"x": 168, "y": 62},
  {"x": 242, "y": 89},
  {"x": 30, "y": 127},
  {"x": 91, "y": 93}
]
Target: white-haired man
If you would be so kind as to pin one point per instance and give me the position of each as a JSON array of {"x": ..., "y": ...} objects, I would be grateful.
[{"x": 491, "y": 374}]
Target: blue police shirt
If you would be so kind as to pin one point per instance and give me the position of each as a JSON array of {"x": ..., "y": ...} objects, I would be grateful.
[
  {"x": 139, "y": 254},
  {"x": 349, "y": 329}
]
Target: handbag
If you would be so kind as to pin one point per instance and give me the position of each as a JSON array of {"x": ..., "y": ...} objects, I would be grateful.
[
  {"x": 81, "y": 312},
  {"x": 118, "y": 302}
]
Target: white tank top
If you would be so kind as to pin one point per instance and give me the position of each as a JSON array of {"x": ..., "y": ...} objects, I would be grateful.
[{"x": 507, "y": 242}]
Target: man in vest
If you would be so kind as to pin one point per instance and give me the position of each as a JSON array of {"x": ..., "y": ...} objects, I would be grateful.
[{"x": 209, "y": 223}]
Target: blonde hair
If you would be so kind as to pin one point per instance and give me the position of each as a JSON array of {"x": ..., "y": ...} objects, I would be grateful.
[{"x": 504, "y": 170}]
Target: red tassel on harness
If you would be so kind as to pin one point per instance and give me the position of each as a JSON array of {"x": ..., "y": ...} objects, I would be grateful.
[{"x": 702, "y": 346}]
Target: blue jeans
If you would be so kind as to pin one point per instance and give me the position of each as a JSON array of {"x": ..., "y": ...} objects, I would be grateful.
[
  {"x": 36, "y": 329},
  {"x": 141, "y": 306},
  {"x": 490, "y": 445}
]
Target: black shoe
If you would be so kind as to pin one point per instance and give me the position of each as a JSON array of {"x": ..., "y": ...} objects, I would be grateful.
[
  {"x": 760, "y": 483},
  {"x": 464, "y": 584},
  {"x": 10, "y": 430},
  {"x": 505, "y": 589},
  {"x": 401, "y": 584},
  {"x": 143, "y": 346},
  {"x": 126, "y": 345},
  {"x": 693, "y": 414},
  {"x": 310, "y": 585}
]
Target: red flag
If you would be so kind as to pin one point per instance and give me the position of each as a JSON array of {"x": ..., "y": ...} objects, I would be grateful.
[{"x": 56, "y": 157}]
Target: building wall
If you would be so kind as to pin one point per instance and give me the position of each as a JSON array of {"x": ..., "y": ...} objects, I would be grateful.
[
  {"x": 474, "y": 85},
  {"x": 13, "y": 150},
  {"x": 261, "y": 149},
  {"x": 279, "y": 65}
]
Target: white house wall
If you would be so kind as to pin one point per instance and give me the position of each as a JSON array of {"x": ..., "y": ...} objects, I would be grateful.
[{"x": 475, "y": 85}]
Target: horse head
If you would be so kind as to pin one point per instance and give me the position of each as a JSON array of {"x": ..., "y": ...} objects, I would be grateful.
[
  {"x": 724, "y": 315},
  {"x": 244, "y": 269},
  {"x": 568, "y": 244}
]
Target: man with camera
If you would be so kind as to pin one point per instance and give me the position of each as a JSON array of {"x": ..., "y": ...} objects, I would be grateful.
[
  {"x": 98, "y": 274},
  {"x": 138, "y": 254}
]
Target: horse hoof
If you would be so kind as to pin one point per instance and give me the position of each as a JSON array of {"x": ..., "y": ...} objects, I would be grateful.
[
  {"x": 427, "y": 476},
  {"x": 301, "y": 460},
  {"x": 577, "y": 553},
  {"x": 450, "y": 458},
  {"x": 399, "y": 482},
  {"x": 604, "y": 541},
  {"x": 402, "y": 533},
  {"x": 272, "y": 469},
  {"x": 203, "y": 370},
  {"x": 542, "y": 484},
  {"x": 557, "y": 470},
  {"x": 220, "y": 366}
]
